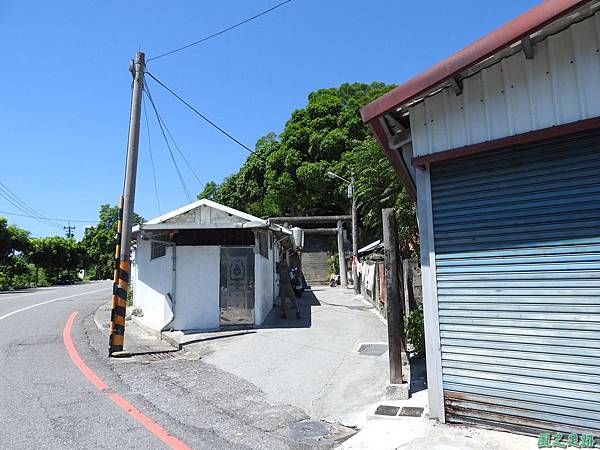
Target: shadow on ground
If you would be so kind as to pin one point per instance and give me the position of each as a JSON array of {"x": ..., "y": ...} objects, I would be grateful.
[{"x": 306, "y": 303}]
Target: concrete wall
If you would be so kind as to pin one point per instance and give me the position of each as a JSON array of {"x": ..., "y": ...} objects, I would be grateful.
[
  {"x": 197, "y": 296},
  {"x": 264, "y": 274},
  {"x": 198, "y": 287},
  {"x": 516, "y": 95},
  {"x": 153, "y": 281}
]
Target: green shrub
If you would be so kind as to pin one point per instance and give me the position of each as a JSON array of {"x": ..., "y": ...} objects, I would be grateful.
[
  {"x": 333, "y": 266},
  {"x": 415, "y": 329}
]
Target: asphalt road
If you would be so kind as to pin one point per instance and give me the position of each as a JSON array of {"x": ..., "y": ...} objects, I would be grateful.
[{"x": 47, "y": 402}]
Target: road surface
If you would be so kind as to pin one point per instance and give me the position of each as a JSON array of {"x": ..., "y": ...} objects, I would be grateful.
[{"x": 51, "y": 400}]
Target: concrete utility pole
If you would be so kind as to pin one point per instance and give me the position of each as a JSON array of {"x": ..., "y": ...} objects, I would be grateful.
[
  {"x": 393, "y": 295},
  {"x": 120, "y": 291},
  {"x": 354, "y": 236},
  {"x": 351, "y": 196},
  {"x": 342, "y": 259},
  {"x": 69, "y": 230}
]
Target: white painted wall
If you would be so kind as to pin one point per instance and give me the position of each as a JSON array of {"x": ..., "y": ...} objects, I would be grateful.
[
  {"x": 263, "y": 284},
  {"x": 152, "y": 282},
  {"x": 197, "y": 296},
  {"x": 516, "y": 95},
  {"x": 198, "y": 287}
]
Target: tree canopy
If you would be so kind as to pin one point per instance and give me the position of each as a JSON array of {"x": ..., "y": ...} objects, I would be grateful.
[
  {"x": 99, "y": 242},
  {"x": 14, "y": 242},
  {"x": 287, "y": 174}
]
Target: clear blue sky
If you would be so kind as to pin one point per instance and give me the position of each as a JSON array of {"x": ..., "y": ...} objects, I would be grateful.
[{"x": 65, "y": 87}]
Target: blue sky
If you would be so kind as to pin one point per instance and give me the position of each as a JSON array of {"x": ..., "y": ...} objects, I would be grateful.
[{"x": 65, "y": 90}]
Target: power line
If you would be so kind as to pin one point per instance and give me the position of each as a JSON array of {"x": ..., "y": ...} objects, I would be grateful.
[
  {"x": 8, "y": 213},
  {"x": 200, "y": 114},
  {"x": 185, "y": 189},
  {"x": 181, "y": 153},
  {"x": 187, "y": 163},
  {"x": 218, "y": 33},
  {"x": 13, "y": 199},
  {"x": 151, "y": 158}
]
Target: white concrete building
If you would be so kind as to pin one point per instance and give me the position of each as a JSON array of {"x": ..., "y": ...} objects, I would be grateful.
[{"x": 206, "y": 266}]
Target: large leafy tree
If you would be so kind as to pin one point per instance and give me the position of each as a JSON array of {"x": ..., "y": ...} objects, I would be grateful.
[
  {"x": 99, "y": 242},
  {"x": 59, "y": 257},
  {"x": 287, "y": 174},
  {"x": 14, "y": 242}
]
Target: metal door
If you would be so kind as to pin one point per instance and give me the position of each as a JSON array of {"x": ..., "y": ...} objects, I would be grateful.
[
  {"x": 237, "y": 286},
  {"x": 517, "y": 242}
]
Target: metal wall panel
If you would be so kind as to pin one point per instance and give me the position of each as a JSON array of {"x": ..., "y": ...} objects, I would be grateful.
[
  {"x": 517, "y": 257},
  {"x": 559, "y": 85}
]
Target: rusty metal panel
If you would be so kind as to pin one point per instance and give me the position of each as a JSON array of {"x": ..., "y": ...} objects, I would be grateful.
[{"x": 517, "y": 240}]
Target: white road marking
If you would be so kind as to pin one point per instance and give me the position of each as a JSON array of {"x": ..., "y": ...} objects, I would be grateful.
[
  {"x": 12, "y": 313},
  {"x": 13, "y": 296}
]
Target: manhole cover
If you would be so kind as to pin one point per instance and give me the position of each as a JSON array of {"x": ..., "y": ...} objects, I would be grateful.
[
  {"x": 160, "y": 356},
  {"x": 372, "y": 349},
  {"x": 386, "y": 410},
  {"x": 411, "y": 411}
]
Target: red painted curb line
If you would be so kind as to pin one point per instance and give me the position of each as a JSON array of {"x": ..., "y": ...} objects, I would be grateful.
[{"x": 146, "y": 421}]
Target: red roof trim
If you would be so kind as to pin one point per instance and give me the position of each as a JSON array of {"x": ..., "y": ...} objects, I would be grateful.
[
  {"x": 420, "y": 162},
  {"x": 395, "y": 159},
  {"x": 512, "y": 31}
]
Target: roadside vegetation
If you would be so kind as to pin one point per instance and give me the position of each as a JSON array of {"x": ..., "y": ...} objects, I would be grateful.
[
  {"x": 27, "y": 261},
  {"x": 287, "y": 174}
]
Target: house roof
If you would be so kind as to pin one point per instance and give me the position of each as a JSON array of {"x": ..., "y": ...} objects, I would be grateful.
[
  {"x": 204, "y": 202},
  {"x": 513, "y": 31},
  {"x": 246, "y": 220},
  {"x": 377, "y": 245},
  {"x": 388, "y": 116}
]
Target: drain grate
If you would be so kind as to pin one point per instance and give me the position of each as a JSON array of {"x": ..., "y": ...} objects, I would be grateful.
[
  {"x": 411, "y": 411},
  {"x": 406, "y": 411},
  {"x": 373, "y": 349},
  {"x": 387, "y": 410},
  {"x": 160, "y": 356}
]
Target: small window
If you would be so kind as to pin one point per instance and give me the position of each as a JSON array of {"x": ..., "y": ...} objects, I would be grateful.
[{"x": 158, "y": 248}]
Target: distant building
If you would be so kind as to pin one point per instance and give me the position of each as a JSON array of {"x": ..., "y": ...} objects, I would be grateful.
[
  {"x": 500, "y": 146},
  {"x": 206, "y": 266}
]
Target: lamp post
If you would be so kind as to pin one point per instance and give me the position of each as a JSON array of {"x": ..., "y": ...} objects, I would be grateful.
[{"x": 351, "y": 196}]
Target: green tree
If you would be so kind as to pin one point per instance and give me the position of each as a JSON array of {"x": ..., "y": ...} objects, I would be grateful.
[
  {"x": 14, "y": 242},
  {"x": 209, "y": 191},
  {"x": 287, "y": 175},
  {"x": 99, "y": 242},
  {"x": 59, "y": 257}
]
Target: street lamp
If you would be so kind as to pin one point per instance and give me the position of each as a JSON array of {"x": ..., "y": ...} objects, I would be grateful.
[{"x": 351, "y": 195}]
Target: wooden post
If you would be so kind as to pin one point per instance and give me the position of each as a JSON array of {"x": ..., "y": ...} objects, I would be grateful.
[{"x": 393, "y": 296}]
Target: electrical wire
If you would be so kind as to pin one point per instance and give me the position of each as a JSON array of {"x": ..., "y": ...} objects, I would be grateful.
[
  {"x": 8, "y": 213},
  {"x": 185, "y": 189},
  {"x": 22, "y": 206},
  {"x": 151, "y": 158},
  {"x": 200, "y": 114},
  {"x": 181, "y": 153},
  {"x": 187, "y": 163},
  {"x": 218, "y": 33}
]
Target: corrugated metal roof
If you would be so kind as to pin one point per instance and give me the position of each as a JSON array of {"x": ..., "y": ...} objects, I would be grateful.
[{"x": 523, "y": 26}]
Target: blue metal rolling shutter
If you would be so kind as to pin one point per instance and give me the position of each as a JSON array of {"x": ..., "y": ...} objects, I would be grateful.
[{"x": 517, "y": 241}]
